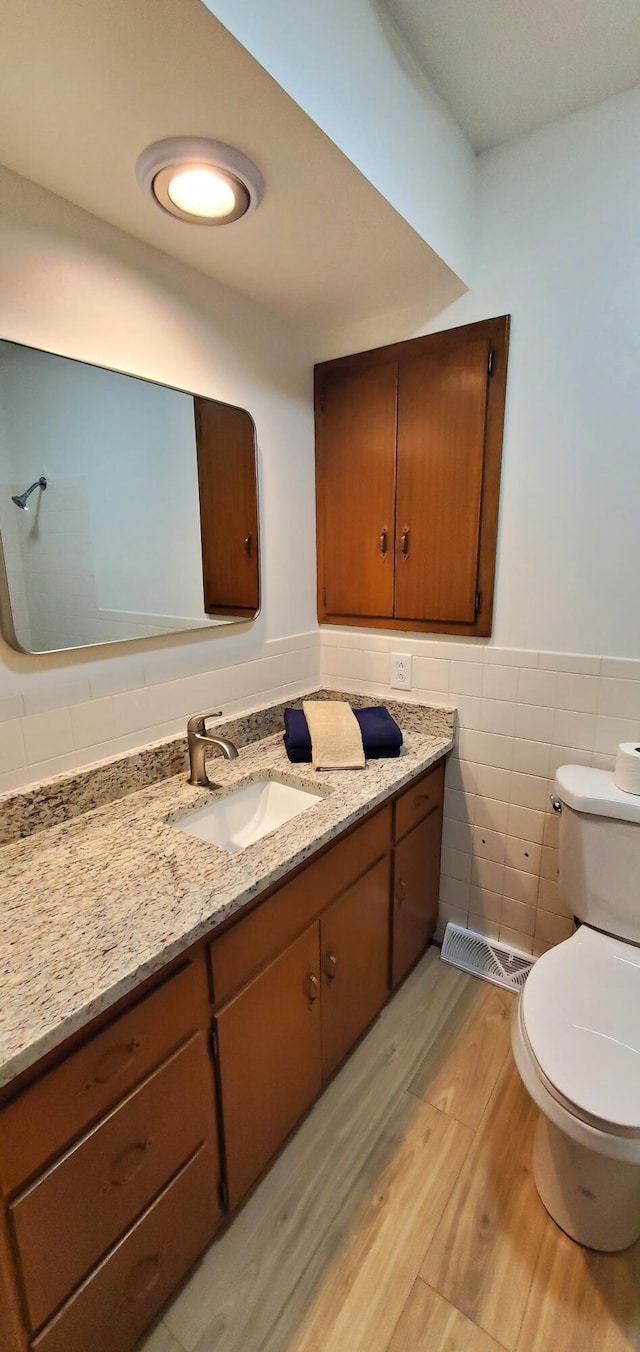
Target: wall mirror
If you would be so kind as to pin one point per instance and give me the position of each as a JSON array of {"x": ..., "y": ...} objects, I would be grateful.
[{"x": 127, "y": 509}]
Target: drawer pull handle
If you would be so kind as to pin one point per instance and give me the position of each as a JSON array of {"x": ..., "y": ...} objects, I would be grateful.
[
  {"x": 330, "y": 967},
  {"x": 126, "y": 1165},
  {"x": 312, "y": 988},
  {"x": 113, "y": 1062},
  {"x": 142, "y": 1279},
  {"x": 423, "y": 797}
]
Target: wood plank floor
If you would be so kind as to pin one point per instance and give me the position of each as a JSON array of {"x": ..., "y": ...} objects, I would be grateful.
[{"x": 402, "y": 1216}]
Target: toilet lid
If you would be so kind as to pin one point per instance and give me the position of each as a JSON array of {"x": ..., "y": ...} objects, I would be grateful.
[{"x": 581, "y": 1011}]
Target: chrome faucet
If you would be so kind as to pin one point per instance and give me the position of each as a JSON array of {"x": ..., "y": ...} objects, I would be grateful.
[{"x": 199, "y": 740}]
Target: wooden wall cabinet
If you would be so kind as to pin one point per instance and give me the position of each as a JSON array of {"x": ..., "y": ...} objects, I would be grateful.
[{"x": 408, "y": 451}]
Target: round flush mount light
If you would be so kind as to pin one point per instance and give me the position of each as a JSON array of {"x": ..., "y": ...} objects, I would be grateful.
[{"x": 198, "y": 180}]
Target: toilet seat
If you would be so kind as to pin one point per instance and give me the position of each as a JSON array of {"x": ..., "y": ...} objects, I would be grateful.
[
  {"x": 600, "y": 1137},
  {"x": 580, "y": 1019},
  {"x": 568, "y": 1107}
]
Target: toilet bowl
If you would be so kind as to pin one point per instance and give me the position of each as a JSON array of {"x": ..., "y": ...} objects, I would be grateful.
[
  {"x": 576, "y": 1043},
  {"x": 576, "y": 1027}
]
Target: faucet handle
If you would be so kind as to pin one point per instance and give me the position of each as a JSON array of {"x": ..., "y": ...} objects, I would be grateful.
[{"x": 197, "y": 721}]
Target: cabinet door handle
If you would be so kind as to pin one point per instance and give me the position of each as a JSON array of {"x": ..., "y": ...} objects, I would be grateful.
[
  {"x": 142, "y": 1278},
  {"x": 423, "y": 797},
  {"x": 383, "y": 541},
  {"x": 126, "y": 1165},
  {"x": 114, "y": 1060},
  {"x": 401, "y": 891},
  {"x": 248, "y": 544},
  {"x": 404, "y": 543},
  {"x": 312, "y": 988},
  {"x": 330, "y": 967}
]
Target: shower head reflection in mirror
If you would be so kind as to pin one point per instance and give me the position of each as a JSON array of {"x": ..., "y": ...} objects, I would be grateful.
[{"x": 20, "y": 499}]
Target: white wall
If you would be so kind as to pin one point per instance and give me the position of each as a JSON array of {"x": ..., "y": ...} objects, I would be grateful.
[
  {"x": 347, "y": 68},
  {"x": 558, "y": 231},
  {"x": 558, "y": 237},
  {"x": 75, "y": 285},
  {"x": 559, "y": 227}
]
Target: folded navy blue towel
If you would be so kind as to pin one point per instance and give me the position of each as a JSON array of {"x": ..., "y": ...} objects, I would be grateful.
[{"x": 381, "y": 736}]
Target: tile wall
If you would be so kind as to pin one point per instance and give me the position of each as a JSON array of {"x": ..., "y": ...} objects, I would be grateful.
[
  {"x": 521, "y": 714},
  {"x": 63, "y": 720}
]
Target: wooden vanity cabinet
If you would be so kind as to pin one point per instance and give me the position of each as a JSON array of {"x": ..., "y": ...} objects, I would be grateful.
[
  {"x": 408, "y": 451},
  {"x": 95, "y": 1156},
  {"x": 119, "y": 1152},
  {"x": 354, "y": 946},
  {"x": 269, "y": 1057},
  {"x": 283, "y": 1033},
  {"x": 110, "y": 1312},
  {"x": 416, "y": 871}
]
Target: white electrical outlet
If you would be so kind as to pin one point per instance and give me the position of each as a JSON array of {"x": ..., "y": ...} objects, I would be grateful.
[{"x": 401, "y": 671}]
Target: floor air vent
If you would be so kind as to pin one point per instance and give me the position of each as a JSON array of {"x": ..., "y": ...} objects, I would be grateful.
[{"x": 495, "y": 962}]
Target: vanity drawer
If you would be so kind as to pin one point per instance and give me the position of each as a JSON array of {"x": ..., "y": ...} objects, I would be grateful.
[
  {"x": 247, "y": 947},
  {"x": 114, "y": 1306},
  {"x": 67, "y": 1220},
  {"x": 419, "y": 800},
  {"x": 40, "y": 1122}
]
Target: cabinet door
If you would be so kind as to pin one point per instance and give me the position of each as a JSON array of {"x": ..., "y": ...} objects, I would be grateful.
[
  {"x": 441, "y": 435},
  {"x": 354, "y": 935},
  {"x": 356, "y": 443},
  {"x": 225, "y": 441},
  {"x": 416, "y": 884},
  {"x": 269, "y": 1056}
]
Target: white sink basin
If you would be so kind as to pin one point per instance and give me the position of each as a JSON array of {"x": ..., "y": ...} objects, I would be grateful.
[{"x": 247, "y": 813}]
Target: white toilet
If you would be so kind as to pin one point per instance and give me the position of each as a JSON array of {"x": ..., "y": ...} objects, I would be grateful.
[{"x": 576, "y": 1027}]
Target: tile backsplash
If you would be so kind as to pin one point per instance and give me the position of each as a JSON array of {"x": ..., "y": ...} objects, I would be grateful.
[
  {"x": 521, "y": 715},
  {"x": 64, "y": 722}
]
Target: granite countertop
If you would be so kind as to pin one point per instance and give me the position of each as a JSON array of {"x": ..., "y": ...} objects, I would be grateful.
[{"x": 94, "y": 905}]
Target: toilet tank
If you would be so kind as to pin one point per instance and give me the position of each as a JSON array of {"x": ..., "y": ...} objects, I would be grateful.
[{"x": 599, "y": 850}]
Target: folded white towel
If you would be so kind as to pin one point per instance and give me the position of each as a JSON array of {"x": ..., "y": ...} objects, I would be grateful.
[{"x": 336, "y": 739}]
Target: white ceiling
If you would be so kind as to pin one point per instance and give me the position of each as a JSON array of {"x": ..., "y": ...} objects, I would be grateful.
[
  {"x": 504, "y": 67},
  {"x": 86, "y": 84}
]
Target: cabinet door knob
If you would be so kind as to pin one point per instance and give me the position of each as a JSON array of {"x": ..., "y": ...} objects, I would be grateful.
[
  {"x": 312, "y": 988},
  {"x": 329, "y": 965},
  {"x": 383, "y": 541},
  {"x": 404, "y": 542}
]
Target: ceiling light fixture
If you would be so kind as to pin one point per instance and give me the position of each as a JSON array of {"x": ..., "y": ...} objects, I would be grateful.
[{"x": 198, "y": 180}]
